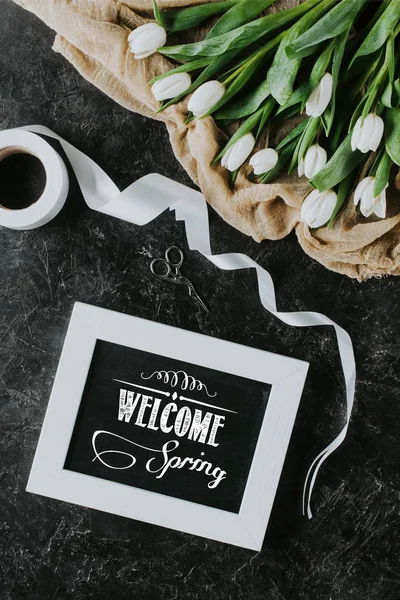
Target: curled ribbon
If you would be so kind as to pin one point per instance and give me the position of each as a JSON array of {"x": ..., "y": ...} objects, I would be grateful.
[{"x": 151, "y": 195}]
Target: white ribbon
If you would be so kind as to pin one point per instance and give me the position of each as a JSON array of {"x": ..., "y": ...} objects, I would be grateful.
[{"x": 151, "y": 195}]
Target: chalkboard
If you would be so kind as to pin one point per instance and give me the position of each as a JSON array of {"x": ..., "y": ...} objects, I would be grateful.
[{"x": 167, "y": 426}]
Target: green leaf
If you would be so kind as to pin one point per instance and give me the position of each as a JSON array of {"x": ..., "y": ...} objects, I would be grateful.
[
  {"x": 293, "y": 135},
  {"x": 283, "y": 71},
  {"x": 391, "y": 96},
  {"x": 186, "y": 68},
  {"x": 344, "y": 192},
  {"x": 335, "y": 22},
  {"x": 382, "y": 174},
  {"x": 380, "y": 32},
  {"x": 342, "y": 163},
  {"x": 245, "y": 104},
  {"x": 357, "y": 88},
  {"x": 181, "y": 19},
  {"x": 374, "y": 87},
  {"x": 298, "y": 97},
  {"x": 239, "y": 15},
  {"x": 392, "y": 134},
  {"x": 308, "y": 137},
  {"x": 338, "y": 53},
  {"x": 232, "y": 176},
  {"x": 364, "y": 63},
  {"x": 390, "y": 57},
  {"x": 241, "y": 37},
  {"x": 319, "y": 70},
  {"x": 247, "y": 126},
  {"x": 295, "y": 156},
  {"x": 214, "y": 67},
  {"x": 269, "y": 106},
  {"x": 245, "y": 73}
]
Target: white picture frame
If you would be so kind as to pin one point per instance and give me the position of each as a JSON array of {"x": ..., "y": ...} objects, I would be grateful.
[{"x": 48, "y": 476}]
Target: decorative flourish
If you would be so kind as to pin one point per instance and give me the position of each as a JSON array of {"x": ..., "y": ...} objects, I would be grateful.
[{"x": 186, "y": 382}]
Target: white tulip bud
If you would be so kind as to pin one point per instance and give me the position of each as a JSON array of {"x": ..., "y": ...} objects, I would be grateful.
[
  {"x": 318, "y": 207},
  {"x": 147, "y": 39},
  {"x": 171, "y": 86},
  {"x": 238, "y": 152},
  {"x": 321, "y": 96},
  {"x": 264, "y": 160},
  {"x": 314, "y": 161},
  {"x": 369, "y": 202},
  {"x": 205, "y": 97},
  {"x": 367, "y": 133}
]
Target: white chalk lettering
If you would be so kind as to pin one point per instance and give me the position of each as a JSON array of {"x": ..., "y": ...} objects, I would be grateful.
[
  {"x": 199, "y": 428},
  {"x": 143, "y": 405},
  {"x": 127, "y": 405},
  {"x": 193, "y": 423},
  {"x": 171, "y": 407},
  {"x": 154, "y": 413},
  {"x": 218, "y": 422}
]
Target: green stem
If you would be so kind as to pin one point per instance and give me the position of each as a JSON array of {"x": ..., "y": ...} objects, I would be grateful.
[
  {"x": 378, "y": 157},
  {"x": 239, "y": 38},
  {"x": 254, "y": 58}
]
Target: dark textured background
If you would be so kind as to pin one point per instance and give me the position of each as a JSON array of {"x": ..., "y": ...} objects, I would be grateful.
[{"x": 350, "y": 550}]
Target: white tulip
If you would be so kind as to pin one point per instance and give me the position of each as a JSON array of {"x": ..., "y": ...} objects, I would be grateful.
[
  {"x": 313, "y": 162},
  {"x": 367, "y": 133},
  {"x": 205, "y": 97},
  {"x": 239, "y": 152},
  {"x": 171, "y": 86},
  {"x": 369, "y": 202},
  {"x": 147, "y": 39},
  {"x": 318, "y": 207},
  {"x": 321, "y": 96},
  {"x": 264, "y": 160}
]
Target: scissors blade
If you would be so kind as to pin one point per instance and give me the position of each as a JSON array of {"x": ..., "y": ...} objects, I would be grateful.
[{"x": 194, "y": 294}]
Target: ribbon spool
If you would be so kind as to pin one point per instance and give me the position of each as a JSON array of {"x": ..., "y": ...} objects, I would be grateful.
[{"x": 49, "y": 204}]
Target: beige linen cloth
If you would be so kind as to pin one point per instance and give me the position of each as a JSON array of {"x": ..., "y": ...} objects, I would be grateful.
[{"x": 92, "y": 35}]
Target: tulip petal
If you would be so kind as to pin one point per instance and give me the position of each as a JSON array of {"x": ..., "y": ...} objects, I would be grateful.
[
  {"x": 322, "y": 159},
  {"x": 264, "y": 160},
  {"x": 361, "y": 189},
  {"x": 146, "y": 39},
  {"x": 377, "y": 133},
  {"x": 205, "y": 97},
  {"x": 355, "y": 138},
  {"x": 309, "y": 160},
  {"x": 366, "y": 133},
  {"x": 318, "y": 207},
  {"x": 315, "y": 160},
  {"x": 307, "y": 209},
  {"x": 380, "y": 206},
  {"x": 239, "y": 152},
  {"x": 320, "y": 98},
  {"x": 140, "y": 55},
  {"x": 225, "y": 158},
  {"x": 171, "y": 86}
]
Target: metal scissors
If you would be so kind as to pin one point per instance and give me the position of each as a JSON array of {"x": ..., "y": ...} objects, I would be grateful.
[{"x": 171, "y": 272}]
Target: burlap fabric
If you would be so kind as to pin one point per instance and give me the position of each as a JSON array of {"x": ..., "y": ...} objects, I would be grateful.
[{"x": 92, "y": 35}]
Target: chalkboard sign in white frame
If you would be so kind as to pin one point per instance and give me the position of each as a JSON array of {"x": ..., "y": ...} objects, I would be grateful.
[{"x": 48, "y": 476}]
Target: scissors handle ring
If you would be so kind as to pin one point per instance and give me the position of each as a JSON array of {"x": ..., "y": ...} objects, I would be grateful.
[
  {"x": 176, "y": 264},
  {"x": 166, "y": 266}
]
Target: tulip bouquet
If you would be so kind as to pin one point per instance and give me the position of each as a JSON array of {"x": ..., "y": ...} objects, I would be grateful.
[{"x": 335, "y": 62}]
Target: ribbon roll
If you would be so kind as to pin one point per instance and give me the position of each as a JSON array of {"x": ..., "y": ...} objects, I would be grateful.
[
  {"x": 146, "y": 199},
  {"x": 17, "y": 141}
]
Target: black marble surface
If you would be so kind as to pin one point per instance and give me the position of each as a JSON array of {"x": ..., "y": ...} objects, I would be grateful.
[{"x": 50, "y": 549}]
